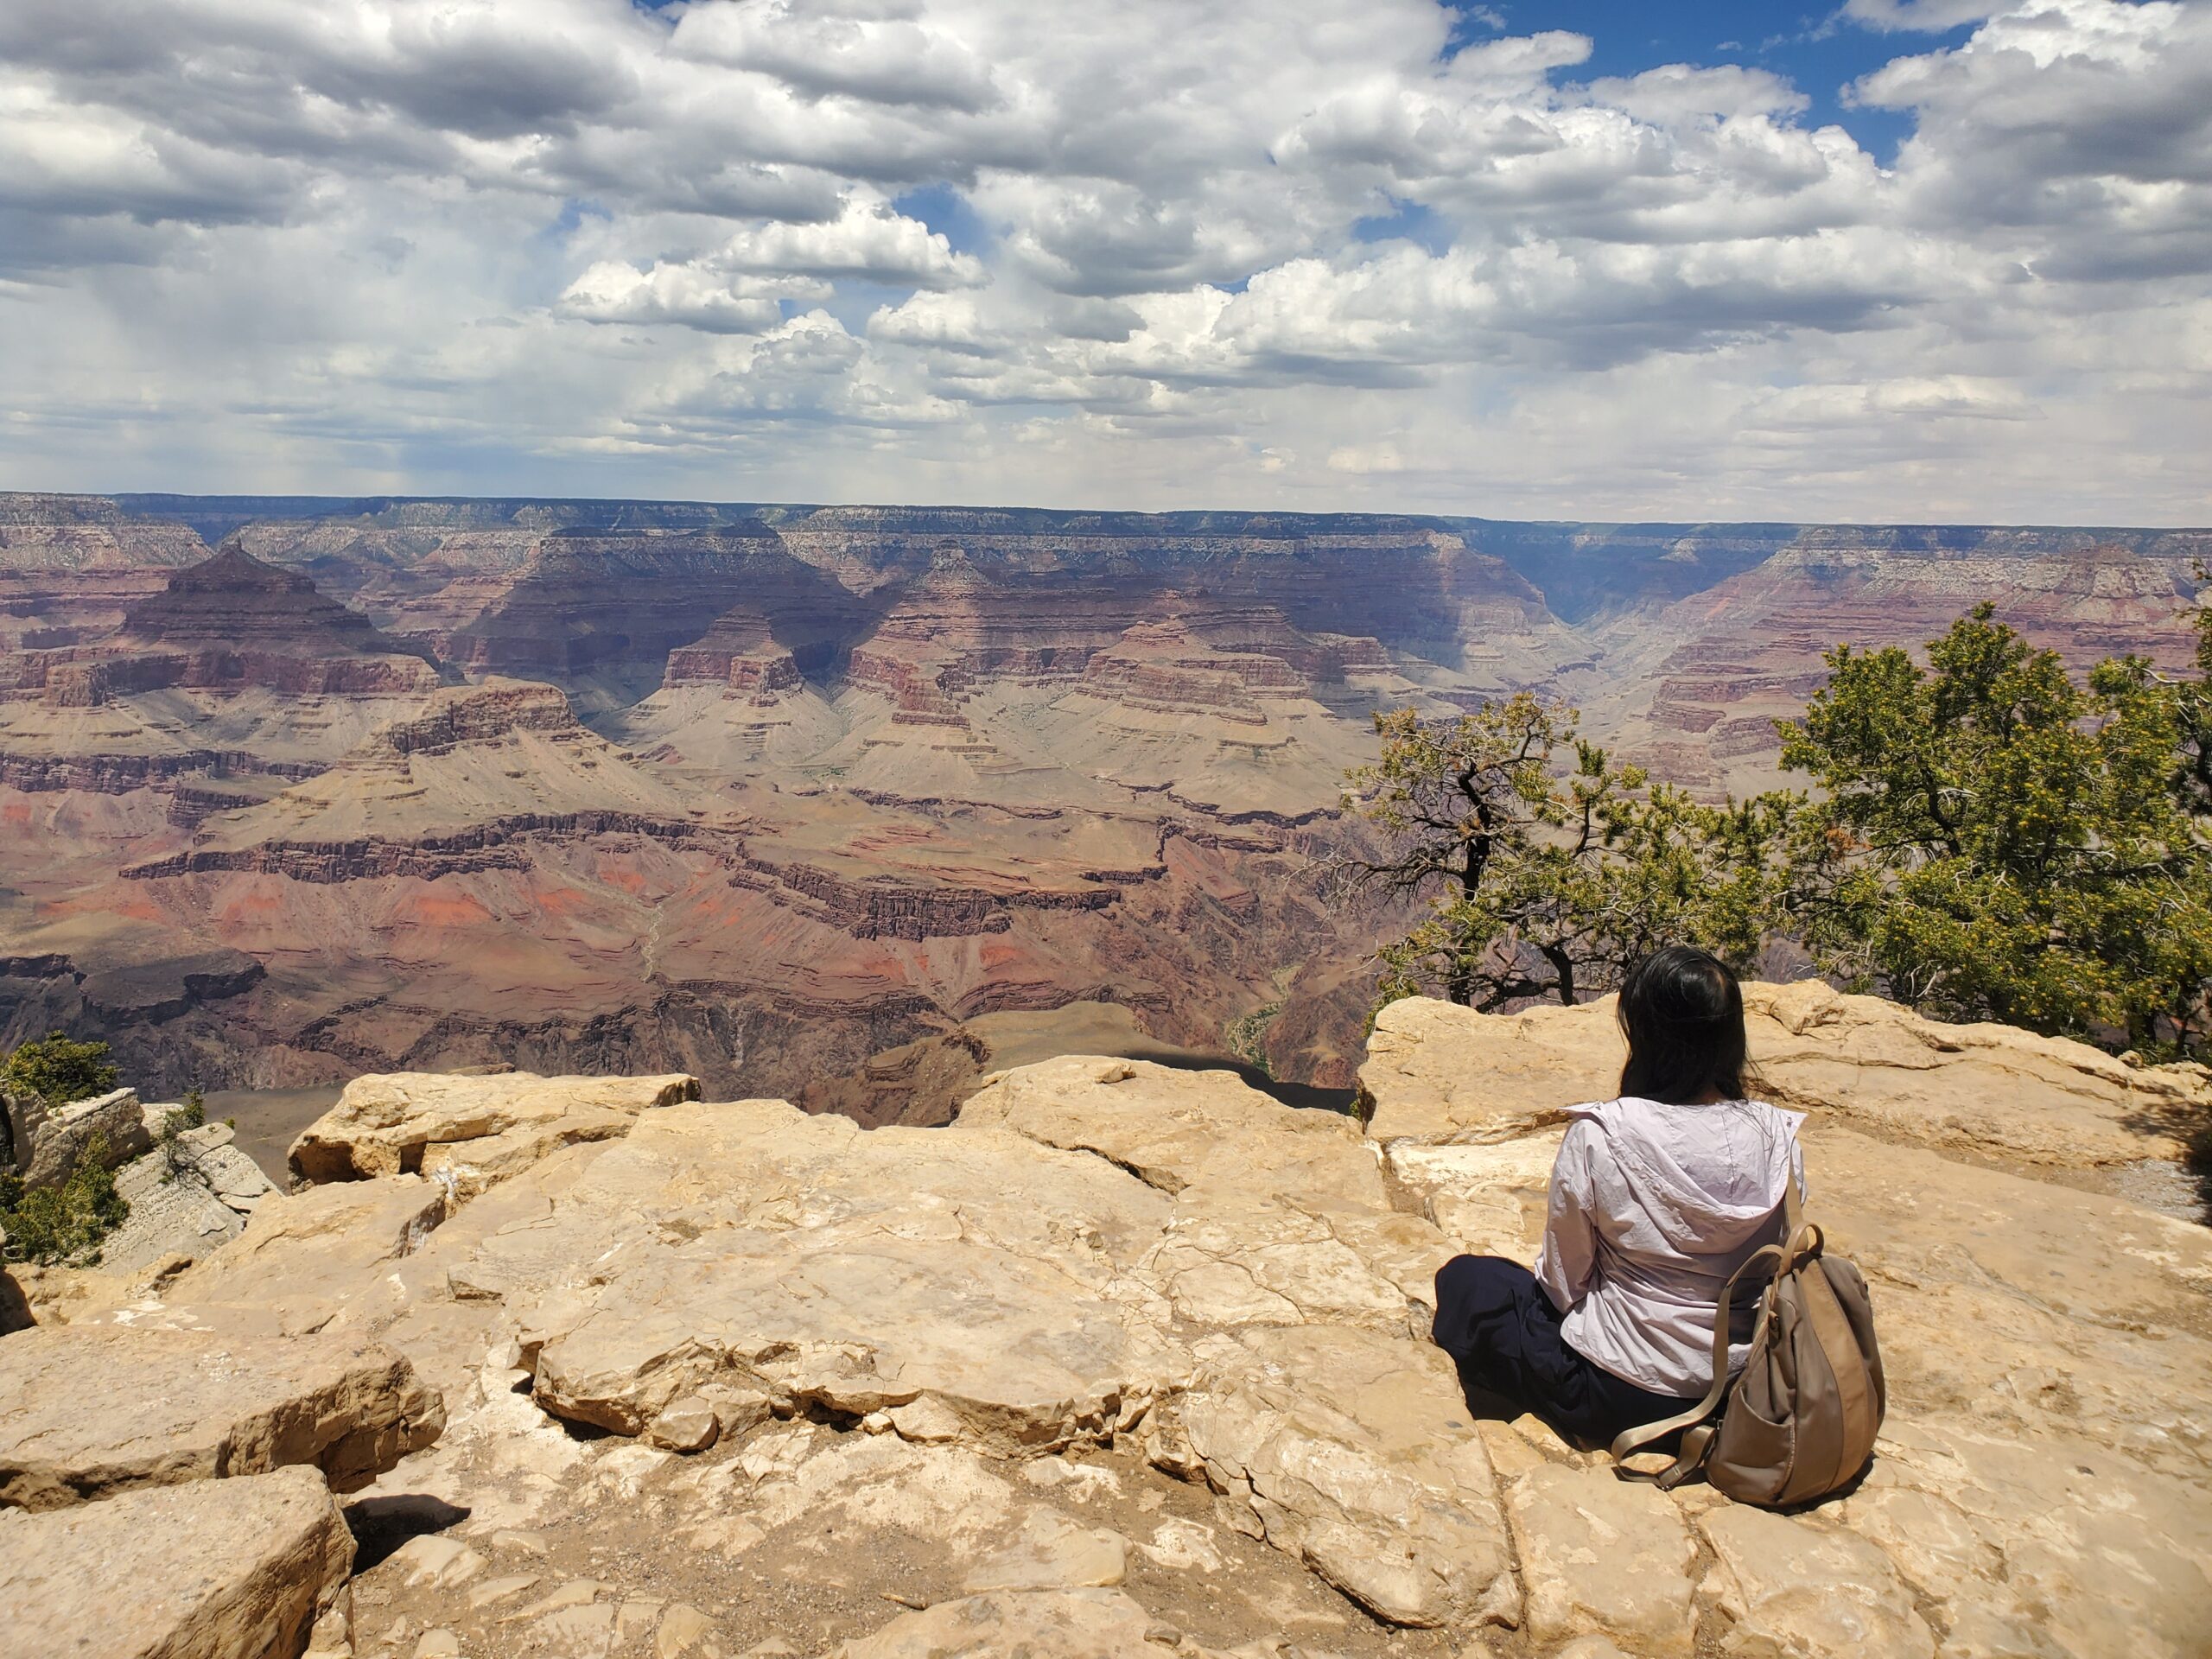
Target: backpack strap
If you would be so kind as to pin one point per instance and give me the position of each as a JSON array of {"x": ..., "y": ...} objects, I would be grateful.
[{"x": 1801, "y": 1241}]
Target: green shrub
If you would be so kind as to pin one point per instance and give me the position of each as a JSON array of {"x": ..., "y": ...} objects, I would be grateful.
[
  {"x": 58, "y": 1070},
  {"x": 62, "y": 1225},
  {"x": 178, "y": 1158}
]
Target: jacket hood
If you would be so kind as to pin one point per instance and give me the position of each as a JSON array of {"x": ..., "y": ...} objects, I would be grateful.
[{"x": 1708, "y": 1177}]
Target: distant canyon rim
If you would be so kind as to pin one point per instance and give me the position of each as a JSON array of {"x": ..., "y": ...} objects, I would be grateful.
[{"x": 844, "y": 803}]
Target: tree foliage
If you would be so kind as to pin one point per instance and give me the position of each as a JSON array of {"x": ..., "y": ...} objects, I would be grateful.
[
  {"x": 58, "y": 1070},
  {"x": 1993, "y": 841},
  {"x": 1547, "y": 868},
  {"x": 62, "y": 1224},
  {"x": 1985, "y": 838}
]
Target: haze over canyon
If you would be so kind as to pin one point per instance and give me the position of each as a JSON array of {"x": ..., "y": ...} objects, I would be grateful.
[{"x": 791, "y": 796}]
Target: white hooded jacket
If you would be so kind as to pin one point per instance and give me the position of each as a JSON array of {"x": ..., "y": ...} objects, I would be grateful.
[{"x": 1652, "y": 1207}]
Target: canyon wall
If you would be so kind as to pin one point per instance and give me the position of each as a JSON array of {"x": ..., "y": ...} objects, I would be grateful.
[{"x": 760, "y": 791}]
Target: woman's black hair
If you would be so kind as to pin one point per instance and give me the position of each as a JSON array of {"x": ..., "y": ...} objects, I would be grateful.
[{"x": 1682, "y": 1012}]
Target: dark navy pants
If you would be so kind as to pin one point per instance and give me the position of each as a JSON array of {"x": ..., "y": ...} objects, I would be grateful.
[{"x": 1504, "y": 1333}]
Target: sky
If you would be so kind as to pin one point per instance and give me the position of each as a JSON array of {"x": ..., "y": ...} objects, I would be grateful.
[{"x": 1884, "y": 261}]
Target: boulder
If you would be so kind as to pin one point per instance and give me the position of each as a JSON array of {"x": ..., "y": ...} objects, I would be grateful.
[
  {"x": 50, "y": 1141},
  {"x": 1439, "y": 1073},
  {"x": 88, "y": 1411},
  {"x": 1174, "y": 1128},
  {"x": 222, "y": 1569},
  {"x": 482, "y": 1128},
  {"x": 186, "y": 1208},
  {"x": 839, "y": 1270}
]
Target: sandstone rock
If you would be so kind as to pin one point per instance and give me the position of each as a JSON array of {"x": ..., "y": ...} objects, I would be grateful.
[
  {"x": 855, "y": 1274},
  {"x": 690, "y": 1424},
  {"x": 1038, "y": 1623},
  {"x": 406, "y": 1122},
  {"x": 50, "y": 1141},
  {"x": 229, "y": 1569},
  {"x": 887, "y": 1332},
  {"x": 1053, "y": 1553},
  {"x": 1603, "y": 1556},
  {"x": 684, "y": 1629},
  {"x": 189, "y": 1211},
  {"x": 14, "y": 1306},
  {"x": 1438, "y": 1072},
  {"x": 1487, "y": 1199},
  {"x": 1441, "y": 1073},
  {"x": 1354, "y": 1452},
  {"x": 1173, "y": 1129},
  {"x": 431, "y": 1562},
  {"x": 88, "y": 1411},
  {"x": 1794, "y": 1588},
  {"x": 307, "y": 1258}
]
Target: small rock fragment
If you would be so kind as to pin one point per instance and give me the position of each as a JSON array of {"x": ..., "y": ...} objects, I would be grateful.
[
  {"x": 683, "y": 1628},
  {"x": 577, "y": 1593},
  {"x": 685, "y": 1425},
  {"x": 1053, "y": 1554},
  {"x": 493, "y": 1590},
  {"x": 433, "y": 1563}
]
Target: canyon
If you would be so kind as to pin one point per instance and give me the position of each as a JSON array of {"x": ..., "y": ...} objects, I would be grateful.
[{"x": 845, "y": 804}]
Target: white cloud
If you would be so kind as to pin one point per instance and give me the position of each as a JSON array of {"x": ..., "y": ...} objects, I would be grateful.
[
  {"x": 867, "y": 241},
  {"x": 1932, "y": 17},
  {"x": 1159, "y": 251}
]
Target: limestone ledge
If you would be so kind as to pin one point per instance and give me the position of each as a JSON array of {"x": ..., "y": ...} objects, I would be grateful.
[{"x": 1132, "y": 1360}]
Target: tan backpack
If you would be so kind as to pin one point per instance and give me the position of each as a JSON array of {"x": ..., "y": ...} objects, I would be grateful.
[{"x": 1801, "y": 1418}]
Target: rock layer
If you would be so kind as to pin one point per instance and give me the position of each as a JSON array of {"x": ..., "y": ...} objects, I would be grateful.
[
  {"x": 179, "y": 1406},
  {"x": 478, "y": 1128},
  {"x": 229, "y": 1569}
]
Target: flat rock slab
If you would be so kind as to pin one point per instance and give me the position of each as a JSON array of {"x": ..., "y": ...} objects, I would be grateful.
[
  {"x": 391, "y": 1123},
  {"x": 1796, "y": 1587},
  {"x": 1174, "y": 1129},
  {"x": 89, "y": 1411},
  {"x": 1353, "y": 1451},
  {"x": 222, "y": 1569},
  {"x": 1602, "y": 1556},
  {"x": 1438, "y": 1072},
  {"x": 313, "y": 1259},
  {"x": 1018, "y": 1349},
  {"x": 1037, "y": 1624}
]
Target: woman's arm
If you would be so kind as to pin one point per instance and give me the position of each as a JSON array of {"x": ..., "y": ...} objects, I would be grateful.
[{"x": 1569, "y": 1258}]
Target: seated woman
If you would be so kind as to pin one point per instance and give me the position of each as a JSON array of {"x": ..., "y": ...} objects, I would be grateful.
[{"x": 1656, "y": 1197}]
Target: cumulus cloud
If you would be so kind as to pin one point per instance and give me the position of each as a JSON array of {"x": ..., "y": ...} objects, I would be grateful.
[{"x": 1317, "y": 253}]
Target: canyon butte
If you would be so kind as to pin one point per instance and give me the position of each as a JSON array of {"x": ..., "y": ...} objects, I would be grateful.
[
  {"x": 1129, "y": 1361},
  {"x": 846, "y": 805}
]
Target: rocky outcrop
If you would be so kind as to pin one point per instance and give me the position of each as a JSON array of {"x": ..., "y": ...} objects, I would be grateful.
[
  {"x": 179, "y": 1406},
  {"x": 46, "y": 1142},
  {"x": 1130, "y": 1358},
  {"x": 187, "y": 1196},
  {"x": 86, "y": 532},
  {"x": 478, "y": 1129},
  {"x": 228, "y": 623},
  {"x": 2042, "y": 1343},
  {"x": 1437, "y": 1074},
  {"x": 227, "y": 1569}
]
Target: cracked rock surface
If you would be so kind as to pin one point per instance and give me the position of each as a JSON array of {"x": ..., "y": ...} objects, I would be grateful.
[{"x": 1132, "y": 1361}]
